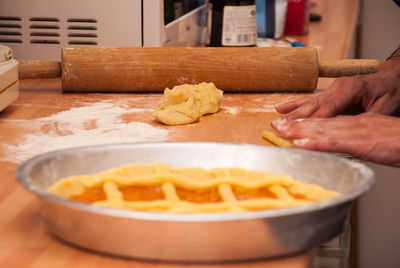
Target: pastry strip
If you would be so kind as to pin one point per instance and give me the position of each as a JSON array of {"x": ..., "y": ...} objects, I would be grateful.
[{"x": 275, "y": 139}]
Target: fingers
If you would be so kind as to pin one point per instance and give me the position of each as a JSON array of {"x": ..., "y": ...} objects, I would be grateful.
[
  {"x": 299, "y": 128},
  {"x": 329, "y": 109},
  {"x": 344, "y": 93},
  {"x": 289, "y": 106},
  {"x": 316, "y": 133},
  {"x": 321, "y": 144},
  {"x": 318, "y": 106},
  {"x": 358, "y": 136},
  {"x": 305, "y": 111}
]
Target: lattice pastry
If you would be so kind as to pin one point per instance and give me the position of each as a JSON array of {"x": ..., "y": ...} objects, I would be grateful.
[{"x": 188, "y": 190}]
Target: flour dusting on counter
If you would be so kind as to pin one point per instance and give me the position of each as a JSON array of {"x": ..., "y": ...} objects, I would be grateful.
[
  {"x": 231, "y": 110},
  {"x": 94, "y": 123},
  {"x": 267, "y": 108},
  {"x": 273, "y": 101}
]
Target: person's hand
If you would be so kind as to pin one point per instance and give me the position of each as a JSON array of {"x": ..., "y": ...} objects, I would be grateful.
[
  {"x": 378, "y": 93},
  {"x": 368, "y": 136}
]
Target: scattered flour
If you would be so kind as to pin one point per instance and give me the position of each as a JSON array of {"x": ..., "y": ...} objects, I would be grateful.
[
  {"x": 274, "y": 100},
  {"x": 264, "y": 109},
  {"x": 94, "y": 123},
  {"x": 231, "y": 110}
]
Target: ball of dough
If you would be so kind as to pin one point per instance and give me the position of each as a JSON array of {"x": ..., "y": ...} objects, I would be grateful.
[{"x": 185, "y": 104}]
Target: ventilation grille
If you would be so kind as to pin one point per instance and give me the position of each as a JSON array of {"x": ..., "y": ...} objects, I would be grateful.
[
  {"x": 10, "y": 29},
  {"x": 48, "y": 30},
  {"x": 44, "y": 30},
  {"x": 82, "y": 31}
]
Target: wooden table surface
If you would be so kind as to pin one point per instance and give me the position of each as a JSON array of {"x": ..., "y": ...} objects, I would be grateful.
[{"x": 42, "y": 113}]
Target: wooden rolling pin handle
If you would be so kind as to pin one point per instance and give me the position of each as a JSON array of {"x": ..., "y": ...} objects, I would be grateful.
[
  {"x": 348, "y": 67},
  {"x": 39, "y": 69}
]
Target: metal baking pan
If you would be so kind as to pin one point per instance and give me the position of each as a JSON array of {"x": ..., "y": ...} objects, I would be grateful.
[{"x": 197, "y": 237}]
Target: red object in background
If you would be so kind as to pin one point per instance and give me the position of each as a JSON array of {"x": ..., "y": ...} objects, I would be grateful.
[{"x": 297, "y": 17}]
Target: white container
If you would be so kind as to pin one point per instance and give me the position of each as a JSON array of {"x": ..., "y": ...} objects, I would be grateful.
[{"x": 8, "y": 77}]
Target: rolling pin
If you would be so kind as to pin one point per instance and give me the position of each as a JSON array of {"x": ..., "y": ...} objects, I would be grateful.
[{"x": 233, "y": 69}]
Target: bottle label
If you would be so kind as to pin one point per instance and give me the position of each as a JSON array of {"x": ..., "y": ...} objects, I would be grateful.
[{"x": 239, "y": 26}]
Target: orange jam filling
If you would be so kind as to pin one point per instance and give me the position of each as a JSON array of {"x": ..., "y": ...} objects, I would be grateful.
[
  {"x": 154, "y": 192},
  {"x": 199, "y": 196},
  {"x": 299, "y": 196},
  {"x": 246, "y": 194},
  {"x": 141, "y": 193},
  {"x": 90, "y": 195}
]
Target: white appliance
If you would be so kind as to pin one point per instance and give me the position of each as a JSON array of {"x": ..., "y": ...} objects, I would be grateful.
[{"x": 38, "y": 29}]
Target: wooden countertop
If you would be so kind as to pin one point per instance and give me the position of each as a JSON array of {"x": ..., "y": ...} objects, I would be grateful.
[{"x": 42, "y": 113}]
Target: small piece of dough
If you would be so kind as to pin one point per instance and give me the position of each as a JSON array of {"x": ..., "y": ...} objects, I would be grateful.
[
  {"x": 185, "y": 104},
  {"x": 273, "y": 138}
]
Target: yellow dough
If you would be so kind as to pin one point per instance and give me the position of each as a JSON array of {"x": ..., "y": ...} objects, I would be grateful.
[
  {"x": 185, "y": 104},
  {"x": 275, "y": 139},
  {"x": 159, "y": 187}
]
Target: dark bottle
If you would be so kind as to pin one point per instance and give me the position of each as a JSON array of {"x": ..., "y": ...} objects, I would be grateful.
[
  {"x": 233, "y": 23},
  {"x": 169, "y": 14},
  {"x": 173, "y": 9}
]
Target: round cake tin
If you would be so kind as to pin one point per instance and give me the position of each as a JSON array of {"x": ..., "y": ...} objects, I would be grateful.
[{"x": 197, "y": 237}]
